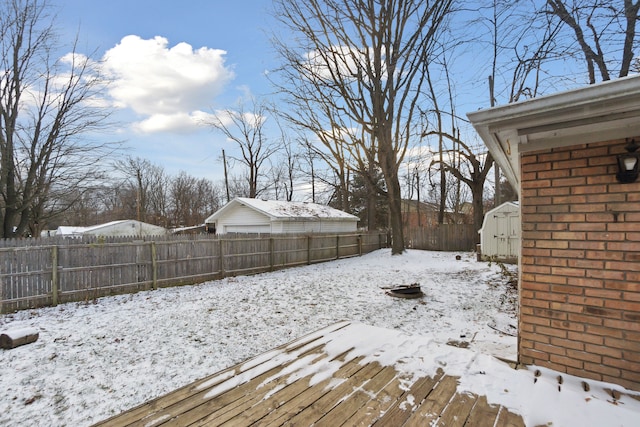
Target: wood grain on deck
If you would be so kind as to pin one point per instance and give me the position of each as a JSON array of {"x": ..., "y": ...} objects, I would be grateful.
[{"x": 272, "y": 390}]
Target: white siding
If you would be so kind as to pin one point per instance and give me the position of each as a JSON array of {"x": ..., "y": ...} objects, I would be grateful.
[
  {"x": 315, "y": 226},
  {"x": 246, "y": 229},
  {"x": 242, "y": 219},
  {"x": 295, "y": 226},
  {"x": 338, "y": 226},
  {"x": 500, "y": 232}
]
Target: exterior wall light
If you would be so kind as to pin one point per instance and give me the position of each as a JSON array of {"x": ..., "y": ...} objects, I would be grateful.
[{"x": 628, "y": 163}]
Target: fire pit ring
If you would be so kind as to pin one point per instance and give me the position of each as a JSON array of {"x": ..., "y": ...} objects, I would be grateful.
[{"x": 406, "y": 291}]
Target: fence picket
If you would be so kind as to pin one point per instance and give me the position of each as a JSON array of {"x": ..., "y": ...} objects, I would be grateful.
[{"x": 444, "y": 237}]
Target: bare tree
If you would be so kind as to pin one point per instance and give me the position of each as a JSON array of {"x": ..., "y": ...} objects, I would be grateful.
[
  {"x": 207, "y": 199},
  {"x": 307, "y": 164},
  {"x": 181, "y": 193},
  {"x": 519, "y": 46},
  {"x": 285, "y": 168},
  {"x": 46, "y": 118},
  {"x": 528, "y": 46},
  {"x": 85, "y": 208},
  {"x": 144, "y": 188},
  {"x": 331, "y": 140},
  {"x": 604, "y": 30},
  {"x": 472, "y": 169},
  {"x": 521, "y": 40},
  {"x": 437, "y": 112},
  {"x": 362, "y": 57},
  {"x": 246, "y": 130},
  {"x": 469, "y": 165},
  {"x": 238, "y": 185}
]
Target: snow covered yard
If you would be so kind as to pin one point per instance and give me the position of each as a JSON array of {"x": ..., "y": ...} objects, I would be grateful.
[{"x": 99, "y": 358}]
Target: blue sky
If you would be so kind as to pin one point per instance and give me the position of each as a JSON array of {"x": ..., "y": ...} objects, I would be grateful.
[{"x": 174, "y": 63}]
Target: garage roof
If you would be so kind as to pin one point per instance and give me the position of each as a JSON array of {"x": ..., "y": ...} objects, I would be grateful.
[{"x": 280, "y": 209}]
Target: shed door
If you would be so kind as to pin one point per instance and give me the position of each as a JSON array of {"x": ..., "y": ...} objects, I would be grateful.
[{"x": 508, "y": 234}]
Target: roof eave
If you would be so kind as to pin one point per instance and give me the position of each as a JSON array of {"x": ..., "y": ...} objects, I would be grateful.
[{"x": 605, "y": 111}]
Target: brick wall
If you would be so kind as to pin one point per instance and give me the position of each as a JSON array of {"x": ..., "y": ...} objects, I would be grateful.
[{"x": 580, "y": 264}]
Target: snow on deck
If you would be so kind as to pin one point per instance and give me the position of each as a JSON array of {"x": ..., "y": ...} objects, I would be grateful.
[
  {"x": 345, "y": 374},
  {"x": 356, "y": 374}
]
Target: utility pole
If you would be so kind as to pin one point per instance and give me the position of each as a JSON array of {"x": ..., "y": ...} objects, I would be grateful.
[{"x": 226, "y": 177}]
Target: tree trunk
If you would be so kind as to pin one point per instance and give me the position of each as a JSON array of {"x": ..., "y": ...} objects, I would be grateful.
[
  {"x": 387, "y": 161},
  {"x": 372, "y": 199},
  {"x": 9, "y": 187},
  {"x": 395, "y": 213},
  {"x": 478, "y": 208}
]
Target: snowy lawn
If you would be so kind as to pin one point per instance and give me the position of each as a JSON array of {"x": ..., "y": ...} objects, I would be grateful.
[{"x": 96, "y": 359}]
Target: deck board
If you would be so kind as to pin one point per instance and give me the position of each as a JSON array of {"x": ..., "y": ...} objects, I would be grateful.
[
  {"x": 483, "y": 414},
  {"x": 315, "y": 381},
  {"x": 307, "y": 397},
  {"x": 359, "y": 398},
  {"x": 434, "y": 403},
  {"x": 320, "y": 407},
  {"x": 457, "y": 411}
]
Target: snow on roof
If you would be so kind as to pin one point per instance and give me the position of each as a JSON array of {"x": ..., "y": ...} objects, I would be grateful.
[
  {"x": 65, "y": 230},
  {"x": 282, "y": 209},
  {"x": 106, "y": 224}
]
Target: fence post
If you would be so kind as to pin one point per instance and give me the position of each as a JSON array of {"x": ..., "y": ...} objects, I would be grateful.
[
  {"x": 337, "y": 246},
  {"x": 54, "y": 276},
  {"x": 271, "y": 255},
  {"x": 154, "y": 266},
  {"x": 308, "y": 249},
  {"x": 359, "y": 244},
  {"x": 222, "y": 273}
]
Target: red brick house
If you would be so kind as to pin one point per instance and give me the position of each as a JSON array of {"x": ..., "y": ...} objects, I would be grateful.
[
  {"x": 580, "y": 246},
  {"x": 425, "y": 214}
]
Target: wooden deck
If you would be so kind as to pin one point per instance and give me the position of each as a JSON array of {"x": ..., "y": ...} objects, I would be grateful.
[{"x": 312, "y": 381}]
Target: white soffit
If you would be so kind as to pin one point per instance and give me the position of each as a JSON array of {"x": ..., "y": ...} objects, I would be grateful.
[{"x": 601, "y": 112}]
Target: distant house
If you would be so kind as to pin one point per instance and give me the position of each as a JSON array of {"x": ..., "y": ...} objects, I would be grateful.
[
  {"x": 573, "y": 158},
  {"x": 244, "y": 215},
  {"x": 425, "y": 214},
  {"x": 127, "y": 227},
  {"x": 419, "y": 214}
]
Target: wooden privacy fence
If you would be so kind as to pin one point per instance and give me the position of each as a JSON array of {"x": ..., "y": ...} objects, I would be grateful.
[
  {"x": 444, "y": 237},
  {"x": 37, "y": 276}
]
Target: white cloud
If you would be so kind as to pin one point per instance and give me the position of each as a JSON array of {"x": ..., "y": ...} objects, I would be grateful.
[
  {"x": 177, "y": 122},
  {"x": 168, "y": 85}
]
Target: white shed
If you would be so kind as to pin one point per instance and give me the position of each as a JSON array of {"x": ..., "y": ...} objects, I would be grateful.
[
  {"x": 244, "y": 215},
  {"x": 126, "y": 227},
  {"x": 500, "y": 232}
]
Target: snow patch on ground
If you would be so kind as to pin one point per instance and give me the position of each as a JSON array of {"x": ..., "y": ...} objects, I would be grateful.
[{"x": 97, "y": 359}]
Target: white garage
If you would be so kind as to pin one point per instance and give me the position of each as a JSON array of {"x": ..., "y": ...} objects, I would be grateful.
[{"x": 244, "y": 215}]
